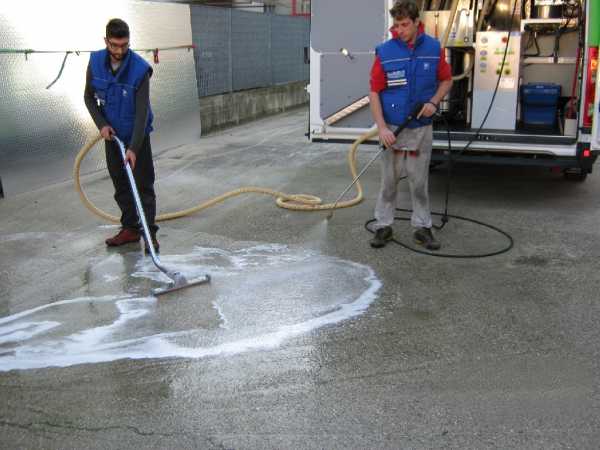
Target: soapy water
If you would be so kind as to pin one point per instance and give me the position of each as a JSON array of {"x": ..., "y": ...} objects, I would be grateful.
[
  {"x": 318, "y": 232},
  {"x": 259, "y": 297}
]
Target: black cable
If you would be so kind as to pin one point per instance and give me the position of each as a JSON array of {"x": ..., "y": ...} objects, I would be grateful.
[
  {"x": 468, "y": 144},
  {"x": 451, "y": 255},
  {"x": 445, "y": 219},
  {"x": 448, "y": 177},
  {"x": 62, "y": 67},
  {"x": 490, "y": 12},
  {"x": 532, "y": 36}
]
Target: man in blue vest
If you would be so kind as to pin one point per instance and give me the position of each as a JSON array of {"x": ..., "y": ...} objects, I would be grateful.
[
  {"x": 117, "y": 95},
  {"x": 408, "y": 70}
]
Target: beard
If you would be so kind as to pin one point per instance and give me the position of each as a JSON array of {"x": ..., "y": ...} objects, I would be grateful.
[{"x": 117, "y": 56}]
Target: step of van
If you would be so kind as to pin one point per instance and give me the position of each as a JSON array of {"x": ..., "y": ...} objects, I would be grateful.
[{"x": 505, "y": 136}]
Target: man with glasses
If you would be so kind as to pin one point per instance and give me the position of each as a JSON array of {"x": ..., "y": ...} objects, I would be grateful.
[{"x": 117, "y": 95}]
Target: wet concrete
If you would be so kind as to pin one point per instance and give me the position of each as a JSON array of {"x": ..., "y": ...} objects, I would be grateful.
[{"x": 307, "y": 338}]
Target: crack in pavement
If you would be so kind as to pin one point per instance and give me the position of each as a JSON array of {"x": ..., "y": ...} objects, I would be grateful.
[{"x": 33, "y": 425}]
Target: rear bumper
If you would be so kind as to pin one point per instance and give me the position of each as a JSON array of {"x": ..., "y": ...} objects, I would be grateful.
[
  {"x": 579, "y": 157},
  {"x": 520, "y": 160},
  {"x": 515, "y": 149},
  {"x": 559, "y": 152}
]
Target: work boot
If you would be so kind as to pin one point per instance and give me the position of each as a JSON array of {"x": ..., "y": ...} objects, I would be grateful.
[
  {"x": 382, "y": 236},
  {"x": 425, "y": 237},
  {"x": 124, "y": 236},
  {"x": 154, "y": 243}
]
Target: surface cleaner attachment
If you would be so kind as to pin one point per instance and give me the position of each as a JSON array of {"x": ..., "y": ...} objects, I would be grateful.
[{"x": 178, "y": 281}]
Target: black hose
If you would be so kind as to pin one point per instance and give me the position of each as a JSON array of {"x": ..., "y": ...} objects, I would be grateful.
[
  {"x": 452, "y": 255},
  {"x": 62, "y": 67},
  {"x": 445, "y": 217}
]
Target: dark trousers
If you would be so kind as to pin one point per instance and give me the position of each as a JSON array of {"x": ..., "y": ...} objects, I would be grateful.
[{"x": 144, "y": 180}]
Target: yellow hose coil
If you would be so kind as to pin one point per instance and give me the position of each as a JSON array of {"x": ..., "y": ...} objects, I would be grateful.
[{"x": 296, "y": 202}]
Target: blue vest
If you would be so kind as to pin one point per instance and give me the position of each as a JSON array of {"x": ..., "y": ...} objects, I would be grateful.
[
  {"x": 116, "y": 93},
  {"x": 411, "y": 77}
]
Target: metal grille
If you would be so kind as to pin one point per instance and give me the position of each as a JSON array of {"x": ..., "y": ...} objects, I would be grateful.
[
  {"x": 251, "y": 56},
  {"x": 289, "y": 38},
  {"x": 211, "y": 31},
  {"x": 238, "y": 50}
]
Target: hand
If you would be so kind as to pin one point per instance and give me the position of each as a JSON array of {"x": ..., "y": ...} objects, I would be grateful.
[
  {"x": 428, "y": 110},
  {"x": 386, "y": 137},
  {"x": 130, "y": 158},
  {"x": 107, "y": 133}
]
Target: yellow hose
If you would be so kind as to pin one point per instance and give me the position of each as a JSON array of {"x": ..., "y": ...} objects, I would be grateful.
[{"x": 296, "y": 202}]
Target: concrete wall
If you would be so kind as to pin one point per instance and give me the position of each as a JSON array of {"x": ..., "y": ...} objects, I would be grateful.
[{"x": 219, "y": 111}]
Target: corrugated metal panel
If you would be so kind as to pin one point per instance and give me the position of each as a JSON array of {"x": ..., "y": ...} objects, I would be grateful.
[{"x": 41, "y": 130}]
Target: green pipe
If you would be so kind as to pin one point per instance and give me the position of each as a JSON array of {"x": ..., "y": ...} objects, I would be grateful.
[{"x": 594, "y": 23}]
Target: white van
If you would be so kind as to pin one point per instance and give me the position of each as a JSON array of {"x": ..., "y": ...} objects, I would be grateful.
[{"x": 533, "y": 60}]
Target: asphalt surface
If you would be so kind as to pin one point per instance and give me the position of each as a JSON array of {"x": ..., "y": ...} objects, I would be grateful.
[{"x": 306, "y": 337}]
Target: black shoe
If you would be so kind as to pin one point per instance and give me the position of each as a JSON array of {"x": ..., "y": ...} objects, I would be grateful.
[
  {"x": 425, "y": 237},
  {"x": 382, "y": 236}
]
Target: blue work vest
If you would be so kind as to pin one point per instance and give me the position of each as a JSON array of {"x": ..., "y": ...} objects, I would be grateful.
[
  {"x": 116, "y": 93},
  {"x": 411, "y": 77}
]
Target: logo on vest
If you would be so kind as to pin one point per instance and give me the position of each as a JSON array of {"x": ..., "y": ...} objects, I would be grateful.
[
  {"x": 426, "y": 66},
  {"x": 125, "y": 93},
  {"x": 396, "y": 74},
  {"x": 99, "y": 100}
]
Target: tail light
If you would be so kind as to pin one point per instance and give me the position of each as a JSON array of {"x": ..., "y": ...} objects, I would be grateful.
[
  {"x": 586, "y": 153},
  {"x": 590, "y": 87}
]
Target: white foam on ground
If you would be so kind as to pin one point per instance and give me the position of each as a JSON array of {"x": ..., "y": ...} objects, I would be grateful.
[
  {"x": 259, "y": 298},
  {"x": 24, "y": 330},
  {"x": 26, "y": 236},
  {"x": 224, "y": 323}
]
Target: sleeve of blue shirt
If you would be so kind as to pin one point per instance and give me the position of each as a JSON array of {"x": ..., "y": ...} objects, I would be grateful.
[{"x": 142, "y": 100}]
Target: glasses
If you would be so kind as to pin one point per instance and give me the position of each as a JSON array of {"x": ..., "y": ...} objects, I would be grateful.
[{"x": 115, "y": 46}]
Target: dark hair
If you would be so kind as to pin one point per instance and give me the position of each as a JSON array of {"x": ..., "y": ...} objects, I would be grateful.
[
  {"x": 405, "y": 9},
  {"x": 117, "y": 28}
]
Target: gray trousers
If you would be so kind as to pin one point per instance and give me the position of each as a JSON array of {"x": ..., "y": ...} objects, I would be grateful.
[{"x": 410, "y": 156}]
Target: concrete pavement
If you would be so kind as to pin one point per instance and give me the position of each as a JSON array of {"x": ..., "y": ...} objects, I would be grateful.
[{"x": 307, "y": 337}]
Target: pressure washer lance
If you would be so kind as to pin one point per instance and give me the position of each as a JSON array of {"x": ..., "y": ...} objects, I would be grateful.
[
  {"x": 178, "y": 281},
  {"x": 411, "y": 116}
]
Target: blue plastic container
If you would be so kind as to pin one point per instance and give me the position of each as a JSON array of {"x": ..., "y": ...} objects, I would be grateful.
[{"x": 539, "y": 102}]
